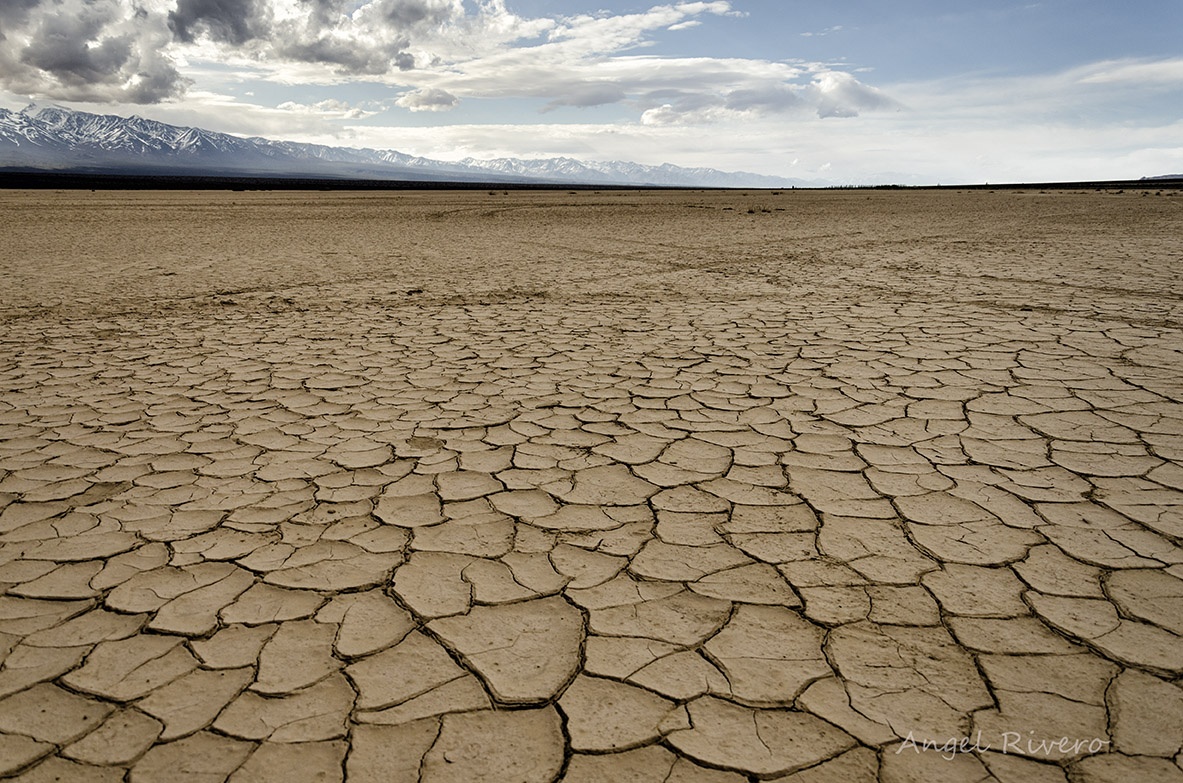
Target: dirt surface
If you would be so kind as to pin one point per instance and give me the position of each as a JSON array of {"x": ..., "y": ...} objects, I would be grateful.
[
  {"x": 536, "y": 486},
  {"x": 84, "y": 254}
]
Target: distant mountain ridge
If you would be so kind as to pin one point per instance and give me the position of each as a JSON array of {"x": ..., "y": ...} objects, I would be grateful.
[{"x": 53, "y": 138}]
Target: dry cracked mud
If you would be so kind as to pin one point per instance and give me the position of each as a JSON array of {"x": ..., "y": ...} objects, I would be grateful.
[{"x": 669, "y": 486}]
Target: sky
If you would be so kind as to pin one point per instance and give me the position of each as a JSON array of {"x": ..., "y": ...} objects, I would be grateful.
[{"x": 840, "y": 91}]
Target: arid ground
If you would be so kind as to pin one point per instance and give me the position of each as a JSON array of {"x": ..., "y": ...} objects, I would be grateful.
[{"x": 591, "y": 486}]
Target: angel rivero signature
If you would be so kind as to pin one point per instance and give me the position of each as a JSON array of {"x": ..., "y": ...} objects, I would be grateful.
[{"x": 1010, "y": 742}]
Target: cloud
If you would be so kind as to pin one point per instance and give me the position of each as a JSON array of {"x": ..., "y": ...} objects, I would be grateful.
[
  {"x": 121, "y": 50},
  {"x": 588, "y": 94},
  {"x": 765, "y": 98},
  {"x": 389, "y": 37},
  {"x": 842, "y": 95},
  {"x": 374, "y": 40},
  {"x": 593, "y": 60},
  {"x": 1141, "y": 72},
  {"x": 331, "y": 108},
  {"x": 87, "y": 50},
  {"x": 427, "y": 99},
  {"x": 830, "y": 94},
  {"x": 343, "y": 54},
  {"x": 411, "y": 14},
  {"x": 13, "y": 13},
  {"x": 434, "y": 53},
  {"x": 820, "y": 33},
  {"x": 73, "y": 49},
  {"x": 664, "y": 114},
  {"x": 226, "y": 21},
  {"x": 684, "y": 113},
  {"x": 1087, "y": 94},
  {"x": 613, "y": 33}
]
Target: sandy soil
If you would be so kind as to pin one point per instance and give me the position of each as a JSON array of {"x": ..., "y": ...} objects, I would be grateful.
[
  {"x": 98, "y": 253},
  {"x": 690, "y": 486}
]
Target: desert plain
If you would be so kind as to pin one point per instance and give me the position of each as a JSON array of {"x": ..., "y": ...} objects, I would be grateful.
[{"x": 662, "y": 486}]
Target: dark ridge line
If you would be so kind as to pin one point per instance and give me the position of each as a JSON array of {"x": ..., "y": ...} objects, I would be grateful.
[
  {"x": 28, "y": 179},
  {"x": 39, "y": 180}
]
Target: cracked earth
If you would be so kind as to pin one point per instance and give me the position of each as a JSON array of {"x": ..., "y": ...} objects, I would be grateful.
[{"x": 593, "y": 486}]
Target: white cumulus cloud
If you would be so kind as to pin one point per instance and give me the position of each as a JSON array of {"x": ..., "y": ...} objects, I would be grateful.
[
  {"x": 427, "y": 99},
  {"x": 330, "y": 108}
]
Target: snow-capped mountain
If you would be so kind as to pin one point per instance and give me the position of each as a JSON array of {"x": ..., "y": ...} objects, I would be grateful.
[
  {"x": 622, "y": 173},
  {"x": 58, "y": 139}
]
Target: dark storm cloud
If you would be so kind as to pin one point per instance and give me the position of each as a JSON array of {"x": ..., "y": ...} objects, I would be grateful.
[
  {"x": 14, "y": 13},
  {"x": 73, "y": 52},
  {"x": 92, "y": 50},
  {"x": 121, "y": 50},
  {"x": 408, "y": 14},
  {"x": 343, "y": 54},
  {"x": 374, "y": 40},
  {"x": 227, "y": 21},
  {"x": 307, "y": 41}
]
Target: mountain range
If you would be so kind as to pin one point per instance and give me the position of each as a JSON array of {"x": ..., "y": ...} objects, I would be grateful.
[{"x": 53, "y": 138}]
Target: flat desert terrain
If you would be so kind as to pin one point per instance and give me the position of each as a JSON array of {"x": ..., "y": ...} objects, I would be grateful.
[{"x": 525, "y": 486}]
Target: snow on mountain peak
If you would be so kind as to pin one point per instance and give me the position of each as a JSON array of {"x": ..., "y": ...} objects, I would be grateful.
[{"x": 54, "y": 137}]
